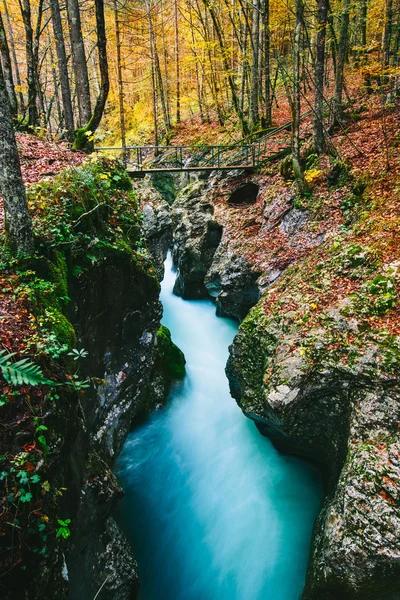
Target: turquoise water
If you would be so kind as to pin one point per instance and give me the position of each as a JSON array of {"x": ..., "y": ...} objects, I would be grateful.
[{"x": 213, "y": 511}]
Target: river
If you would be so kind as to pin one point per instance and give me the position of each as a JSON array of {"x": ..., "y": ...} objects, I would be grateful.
[{"x": 212, "y": 510}]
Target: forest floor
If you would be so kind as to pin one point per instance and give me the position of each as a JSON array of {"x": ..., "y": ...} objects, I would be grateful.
[{"x": 40, "y": 158}]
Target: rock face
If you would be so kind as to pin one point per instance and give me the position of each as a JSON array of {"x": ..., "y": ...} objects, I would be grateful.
[
  {"x": 117, "y": 324},
  {"x": 233, "y": 284},
  {"x": 157, "y": 227},
  {"x": 345, "y": 418},
  {"x": 206, "y": 266},
  {"x": 196, "y": 237}
]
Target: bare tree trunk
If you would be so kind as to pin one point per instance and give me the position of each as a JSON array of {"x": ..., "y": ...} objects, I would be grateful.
[
  {"x": 18, "y": 224},
  {"x": 296, "y": 107},
  {"x": 59, "y": 119},
  {"x": 342, "y": 51},
  {"x": 7, "y": 70},
  {"x": 255, "y": 82},
  {"x": 82, "y": 141},
  {"x": 225, "y": 62},
  {"x": 387, "y": 34},
  {"x": 14, "y": 58},
  {"x": 33, "y": 115},
  {"x": 267, "y": 64},
  {"x": 157, "y": 68},
  {"x": 319, "y": 138},
  {"x": 120, "y": 81},
  {"x": 79, "y": 62},
  {"x": 154, "y": 91},
  {"x": 62, "y": 68},
  {"x": 177, "y": 64}
]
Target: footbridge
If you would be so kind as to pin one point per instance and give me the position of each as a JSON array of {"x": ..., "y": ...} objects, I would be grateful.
[{"x": 246, "y": 155}]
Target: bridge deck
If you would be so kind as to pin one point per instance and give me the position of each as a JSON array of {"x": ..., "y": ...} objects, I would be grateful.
[{"x": 247, "y": 155}]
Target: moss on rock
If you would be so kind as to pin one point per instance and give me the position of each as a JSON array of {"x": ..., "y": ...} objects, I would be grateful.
[{"x": 170, "y": 358}]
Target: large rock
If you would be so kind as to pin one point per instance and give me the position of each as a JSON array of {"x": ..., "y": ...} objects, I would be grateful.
[
  {"x": 196, "y": 237},
  {"x": 233, "y": 283},
  {"x": 343, "y": 415},
  {"x": 157, "y": 227}
]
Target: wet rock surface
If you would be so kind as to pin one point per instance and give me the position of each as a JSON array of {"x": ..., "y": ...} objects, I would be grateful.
[
  {"x": 118, "y": 327},
  {"x": 196, "y": 237},
  {"x": 346, "y": 420}
]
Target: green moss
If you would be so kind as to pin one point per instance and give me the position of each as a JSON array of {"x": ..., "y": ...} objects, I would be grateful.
[
  {"x": 59, "y": 274},
  {"x": 169, "y": 357}
]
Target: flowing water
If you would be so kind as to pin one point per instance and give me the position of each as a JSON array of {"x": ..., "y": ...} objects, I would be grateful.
[{"x": 213, "y": 511}]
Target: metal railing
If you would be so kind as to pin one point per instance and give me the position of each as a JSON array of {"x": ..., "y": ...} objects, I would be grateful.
[{"x": 147, "y": 159}]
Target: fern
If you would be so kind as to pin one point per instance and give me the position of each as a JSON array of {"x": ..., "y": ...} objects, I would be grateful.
[{"x": 22, "y": 372}]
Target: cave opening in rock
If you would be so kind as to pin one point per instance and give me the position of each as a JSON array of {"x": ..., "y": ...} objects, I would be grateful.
[{"x": 245, "y": 194}]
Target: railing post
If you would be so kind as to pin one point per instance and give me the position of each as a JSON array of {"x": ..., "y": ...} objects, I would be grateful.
[
  {"x": 181, "y": 154},
  {"x": 218, "y": 157},
  {"x": 253, "y": 152}
]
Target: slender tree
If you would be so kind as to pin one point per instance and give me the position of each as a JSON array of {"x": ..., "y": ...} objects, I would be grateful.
[
  {"x": 62, "y": 68},
  {"x": 33, "y": 114},
  {"x": 7, "y": 70},
  {"x": 18, "y": 225},
  {"x": 255, "y": 76},
  {"x": 341, "y": 58},
  {"x": 79, "y": 62},
  {"x": 177, "y": 64},
  {"x": 319, "y": 137},
  {"x": 14, "y": 57},
  {"x": 296, "y": 105},
  {"x": 120, "y": 80},
  {"x": 83, "y": 135}
]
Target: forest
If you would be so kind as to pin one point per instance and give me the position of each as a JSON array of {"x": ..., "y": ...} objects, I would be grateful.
[{"x": 199, "y": 299}]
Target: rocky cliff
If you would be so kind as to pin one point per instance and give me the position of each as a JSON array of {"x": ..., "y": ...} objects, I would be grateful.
[
  {"x": 93, "y": 288},
  {"x": 316, "y": 361}
]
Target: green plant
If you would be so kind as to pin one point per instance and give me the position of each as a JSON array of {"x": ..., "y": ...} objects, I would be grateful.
[
  {"x": 23, "y": 372},
  {"x": 63, "y": 531},
  {"x": 77, "y": 354}
]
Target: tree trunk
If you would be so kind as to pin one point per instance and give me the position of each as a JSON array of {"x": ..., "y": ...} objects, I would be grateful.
[
  {"x": 341, "y": 57},
  {"x": 296, "y": 105},
  {"x": 177, "y": 64},
  {"x": 7, "y": 70},
  {"x": 18, "y": 224},
  {"x": 153, "y": 87},
  {"x": 319, "y": 137},
  {"x": 255, "y": 82},
  {"x": 14, "y": 58},
  {"x": 33, "y": 114},
  {"x": 82, "y": 136},
  {"x": 267, "y": 65},
  {"x": 234, "y": 96},
  {"x": 62, "y": 68},
  {"x": 79, "y": 62},
  {"x": 120, "y": 81},
  {"x": 387, "y": 34}
]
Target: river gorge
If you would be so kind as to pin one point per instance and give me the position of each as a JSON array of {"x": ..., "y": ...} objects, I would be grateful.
[{"x": 211, "y": 508}]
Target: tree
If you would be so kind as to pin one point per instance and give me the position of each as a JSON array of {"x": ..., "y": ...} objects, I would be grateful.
[
  {"x": 342, "y": 52},
  {"x": 319, "y": 77},
  {"x": 79, "y": 62},
  {"x": 31, "y": 62},
  {"x": 120, "y": 80},
  {"x": 296, "y": 104},
  {"x": 83, "y": 135},
  {"x": 62, "y": 68},
  {"x": 7, "y": 70},
  {"x": 18, "y": 224}
]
